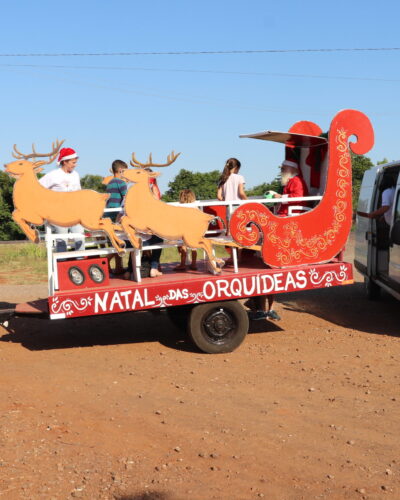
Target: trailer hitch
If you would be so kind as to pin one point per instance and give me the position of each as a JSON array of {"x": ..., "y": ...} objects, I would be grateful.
[{"x": 5, "y": 315}]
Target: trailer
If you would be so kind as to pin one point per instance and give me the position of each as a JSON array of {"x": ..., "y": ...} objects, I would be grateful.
[{"x": 299, "y": 252}]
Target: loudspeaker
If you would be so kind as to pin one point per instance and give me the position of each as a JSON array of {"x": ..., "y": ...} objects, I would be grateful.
[{"x": 85, "y": 273}]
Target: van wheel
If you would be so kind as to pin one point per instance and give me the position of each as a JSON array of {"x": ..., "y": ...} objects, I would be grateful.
[
  {"x": 372, "y": 290},
  {"x": 218, "y": 327}
]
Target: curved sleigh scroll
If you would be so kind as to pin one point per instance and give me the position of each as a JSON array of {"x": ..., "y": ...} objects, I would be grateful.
[{"x": 320, "y": 234}]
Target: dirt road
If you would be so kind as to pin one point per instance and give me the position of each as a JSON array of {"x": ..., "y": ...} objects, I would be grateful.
[{"x": 123, "y": 407}]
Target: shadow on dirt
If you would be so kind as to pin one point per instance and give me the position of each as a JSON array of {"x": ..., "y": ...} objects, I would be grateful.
[
  {"x": 7, "y": 305},
  {"x": 347, "y": 306},
  {"x": 126, "y": 328},
  {"x": 146, "y": 495},
  {"x": 38, "y": 334}
]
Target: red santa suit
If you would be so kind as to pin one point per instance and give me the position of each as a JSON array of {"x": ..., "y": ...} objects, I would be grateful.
[{"x": 295, "y": 188}]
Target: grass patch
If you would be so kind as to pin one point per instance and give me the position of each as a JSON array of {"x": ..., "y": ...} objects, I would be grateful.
[
  {"x": 26, "y": 263},
  {"x": 23, "y": 263}
]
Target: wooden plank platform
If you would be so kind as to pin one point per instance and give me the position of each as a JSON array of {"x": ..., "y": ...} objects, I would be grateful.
[{"x": 34, "y": 308}]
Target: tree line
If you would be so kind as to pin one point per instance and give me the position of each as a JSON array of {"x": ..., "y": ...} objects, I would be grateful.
[{"x": 204, "y": 185}]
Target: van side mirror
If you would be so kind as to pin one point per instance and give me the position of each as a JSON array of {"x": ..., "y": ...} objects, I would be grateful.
[{"x": 395, "y": 236}]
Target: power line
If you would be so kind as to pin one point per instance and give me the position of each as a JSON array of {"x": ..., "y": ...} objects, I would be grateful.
[
  {"x": 179, "y": 97},
  {"x": 204, "y": 71},
  {"x": 198, "y": 52}
]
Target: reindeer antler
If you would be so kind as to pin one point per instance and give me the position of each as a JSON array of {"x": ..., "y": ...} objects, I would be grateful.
[
  {"x": 55, "y": 149},
  {"x": 170, "y": 159}
]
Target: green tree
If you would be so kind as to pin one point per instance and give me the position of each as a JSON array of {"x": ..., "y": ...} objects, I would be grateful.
[
  {"x": 93, "y": 182},
  {"x": 360, "y": 164},
  {"x": 381, "y": 162},
  {"x": 9, "y": 230},
  {"x": 204, "y": 185},
  {"x": 261, "y": 189}
]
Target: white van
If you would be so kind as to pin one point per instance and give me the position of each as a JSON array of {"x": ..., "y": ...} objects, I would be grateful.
[{"x": 377, "y": 257}]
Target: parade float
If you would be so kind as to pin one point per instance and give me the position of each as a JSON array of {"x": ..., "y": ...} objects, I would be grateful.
[{"x": 299, "y": 252}]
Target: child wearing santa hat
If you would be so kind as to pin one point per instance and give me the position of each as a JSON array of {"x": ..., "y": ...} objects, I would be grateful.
[{"x": 65, "y": 179}]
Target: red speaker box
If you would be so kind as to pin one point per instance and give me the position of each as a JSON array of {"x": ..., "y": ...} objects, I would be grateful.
[{"x": 86, "y": 273}]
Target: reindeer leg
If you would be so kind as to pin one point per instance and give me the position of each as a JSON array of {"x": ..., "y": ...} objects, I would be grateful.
[
  {"x": 130, "y": 231},
  {"x": 32, "y": 234},
  {"x": 207, "y": 246},
  {"x": 112, "y": 227},
  {"x": 107, "y": 226}
]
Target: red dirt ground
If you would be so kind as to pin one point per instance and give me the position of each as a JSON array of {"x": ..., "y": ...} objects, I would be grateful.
[{"x": 123, "y": 407}]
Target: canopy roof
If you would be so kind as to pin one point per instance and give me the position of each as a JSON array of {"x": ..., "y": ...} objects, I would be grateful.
[{"x": 288, "y": 138}]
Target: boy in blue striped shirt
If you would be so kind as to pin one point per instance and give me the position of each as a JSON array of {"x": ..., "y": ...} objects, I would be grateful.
[{"x": 117, "y": 189}]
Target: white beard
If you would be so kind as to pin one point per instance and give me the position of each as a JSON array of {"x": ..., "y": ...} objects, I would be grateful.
[{"x": 285, "y": 178}]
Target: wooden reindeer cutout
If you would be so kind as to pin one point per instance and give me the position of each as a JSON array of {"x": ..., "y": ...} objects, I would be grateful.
[
  {"x": 146, "y": 214},
  {"x": 34, "y": 204}
]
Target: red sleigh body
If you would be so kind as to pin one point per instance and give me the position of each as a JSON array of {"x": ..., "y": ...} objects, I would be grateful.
[{"x": 318, "y": 235}]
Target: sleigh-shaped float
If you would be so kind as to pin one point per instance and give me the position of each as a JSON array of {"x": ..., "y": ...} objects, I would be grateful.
[{"x": 299, "y": 252}]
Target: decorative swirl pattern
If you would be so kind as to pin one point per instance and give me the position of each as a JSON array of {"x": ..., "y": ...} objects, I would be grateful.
[
  {"x": 70, "y": 306},
  {"x": 196, "y": 297},
  {"x": 162, "y": 300},
  {"x": 328, "y": 277}
]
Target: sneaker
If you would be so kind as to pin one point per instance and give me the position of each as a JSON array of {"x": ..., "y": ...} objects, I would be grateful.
[
  {"x": 272, "y": 315},
  {"x": 257, "y": 315}
]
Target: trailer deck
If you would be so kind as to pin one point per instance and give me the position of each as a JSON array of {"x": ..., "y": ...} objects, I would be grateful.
[{"x": 194, "y": 287}]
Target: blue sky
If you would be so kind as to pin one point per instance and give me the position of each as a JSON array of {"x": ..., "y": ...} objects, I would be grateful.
[{"x": 197, "y": 104}]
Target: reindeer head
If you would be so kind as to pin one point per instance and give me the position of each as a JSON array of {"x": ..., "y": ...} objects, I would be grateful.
[
  {"x": 138, "y": 175},
  {"x": 142, "y": 172},
  {"x": 22, "y": 165}
]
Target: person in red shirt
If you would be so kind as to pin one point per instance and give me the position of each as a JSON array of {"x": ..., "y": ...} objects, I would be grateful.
[{"x": 293, "y": 187}]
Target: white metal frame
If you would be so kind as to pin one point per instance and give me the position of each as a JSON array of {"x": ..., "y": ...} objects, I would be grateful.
[{"x": 297, "y": 210}]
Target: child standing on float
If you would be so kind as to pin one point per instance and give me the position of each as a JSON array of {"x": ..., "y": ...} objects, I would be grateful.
[
  {"x": 186, "y": 196},
  {"x": 231, "y": 183},
  {"x": 231, "y": 188}
]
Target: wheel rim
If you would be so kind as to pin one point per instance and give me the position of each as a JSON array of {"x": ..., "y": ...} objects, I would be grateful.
[{"x": 219, "y": 326}]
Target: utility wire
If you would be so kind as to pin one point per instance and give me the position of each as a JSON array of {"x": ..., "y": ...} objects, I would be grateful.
[
  {"x": 179, "y": 97},
  {"x": 206, "y": 71},
  {"x": 198, "y": 52}
]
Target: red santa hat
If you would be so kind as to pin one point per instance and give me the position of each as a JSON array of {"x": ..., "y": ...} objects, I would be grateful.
[
  {"x": 289, "y": 163},
  {"x": 66, "y": 154}
]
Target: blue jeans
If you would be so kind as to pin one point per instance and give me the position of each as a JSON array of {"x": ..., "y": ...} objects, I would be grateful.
[
  {"x": 61, "y": 244},
  {"x": 155, "y": 254}
]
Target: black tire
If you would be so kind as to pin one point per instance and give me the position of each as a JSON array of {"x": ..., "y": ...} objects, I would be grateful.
[
  {"x": 372, "y": 290},
  {"x": 179, "y": 316},
  {"x": 218, "y": 327}
]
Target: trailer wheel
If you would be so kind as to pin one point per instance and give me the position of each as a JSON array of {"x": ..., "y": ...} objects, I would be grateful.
[
  {"x": 372, "y": 290},
  {"x": 218, "y": 327}
]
